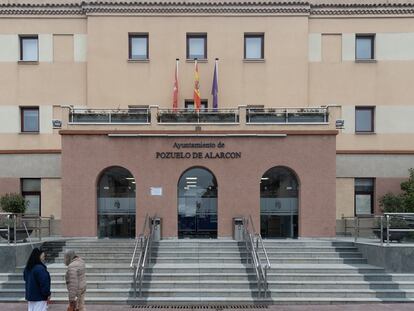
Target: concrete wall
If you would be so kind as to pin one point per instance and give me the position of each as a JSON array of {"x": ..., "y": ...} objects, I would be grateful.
[
  {"x": 30, "y": 165},
  {"x": 15, "y": 256},
  {"x": 394, "y": 258},
  {"x": 373, "y": 165},
  {"x": 84, "y": 157}
]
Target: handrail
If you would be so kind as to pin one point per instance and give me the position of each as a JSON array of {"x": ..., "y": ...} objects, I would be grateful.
[
  {"x": 145, "y": 240},
  {"x": 385, "y": 231},
  {"x": 268, "y": 265},
  {"x": 21, "y": 218},
  {"x": 248, "y": 239},
  {"x": 138, "y": 239}
]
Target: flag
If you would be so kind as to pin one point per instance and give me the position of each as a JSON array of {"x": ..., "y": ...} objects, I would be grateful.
[
  {"x": 214, "y": 88},
  {"x": 197, "y": 96},
  {"x": 175, "y": 91}
]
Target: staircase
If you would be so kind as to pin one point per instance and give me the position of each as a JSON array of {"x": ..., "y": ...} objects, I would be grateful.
[
  {"x": 215, "y": 272},
  {"x": 321, "y": 272}
]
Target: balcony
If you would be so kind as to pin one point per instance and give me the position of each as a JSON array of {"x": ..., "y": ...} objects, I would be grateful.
[
  {"x": 110, "y": 116},
  {"x": 286, "y": 115},
  {"x": 204, "y": 116},
  {"x": 241, "y": 118}
]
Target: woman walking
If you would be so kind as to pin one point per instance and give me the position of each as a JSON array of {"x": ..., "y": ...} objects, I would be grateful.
[
  {"x": 75, "y": 280},
  {"x": 37, "y": 281}
]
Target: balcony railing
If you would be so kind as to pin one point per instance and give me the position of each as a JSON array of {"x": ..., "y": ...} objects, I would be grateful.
[
  {"x": 110, "y": 116},
  {"x": 286, "y": 115},
  {"x": 202, "y": 116},
  {"x": 240, "y": 115}
]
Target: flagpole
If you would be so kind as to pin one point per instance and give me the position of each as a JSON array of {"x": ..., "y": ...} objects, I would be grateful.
[
  {"x": 197, "y": 108},
  {"x": 217, "y": 80},
  {"x": 175, "y": 94}
]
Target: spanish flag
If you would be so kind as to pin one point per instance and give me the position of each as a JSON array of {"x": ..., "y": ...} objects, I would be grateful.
[{"x": 197, "y": 96}]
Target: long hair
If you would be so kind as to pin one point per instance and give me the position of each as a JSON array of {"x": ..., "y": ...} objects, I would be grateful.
[{"x": 34, "y": 259}]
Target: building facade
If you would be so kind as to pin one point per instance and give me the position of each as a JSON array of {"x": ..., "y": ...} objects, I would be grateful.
[{"x": 313, "y": 122}]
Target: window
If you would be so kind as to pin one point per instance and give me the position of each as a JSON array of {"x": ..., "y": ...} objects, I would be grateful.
[
  {"x": 138, "y": 46},
  {"x": 364, "y": 47},
  {"x": 197, "y": 46},
  {"x": 31, "y": 192},
  {"x": 189, "y": 104},
  {"x": 364, "y": 196},
  {"x": 253, "y": 46},
  {"x": 29, "y": 119},
  {"x": 364, "y": 119},
  {"x": 29, "y": 50}
]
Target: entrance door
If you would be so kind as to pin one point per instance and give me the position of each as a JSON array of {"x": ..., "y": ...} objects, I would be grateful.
[
  {"x": 197, "y": 204},
  {"x": 116, "y": 204},
  {"x": 279, "y": 204}
]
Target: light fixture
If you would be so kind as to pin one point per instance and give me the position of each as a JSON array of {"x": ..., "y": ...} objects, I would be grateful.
[
  {"x": 191, "y": 182},
  {"x": 132, "y": 182},
  {"x": 130, "y": 178},
  {"x": 191, "y": 178},
  {"x": 265, "y": 178}
]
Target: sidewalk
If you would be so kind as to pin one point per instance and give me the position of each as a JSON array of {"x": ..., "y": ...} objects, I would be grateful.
[{"x": 350, "y": 307}]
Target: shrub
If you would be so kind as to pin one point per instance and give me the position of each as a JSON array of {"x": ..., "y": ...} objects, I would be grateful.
[{"x": 13, "y": 203}]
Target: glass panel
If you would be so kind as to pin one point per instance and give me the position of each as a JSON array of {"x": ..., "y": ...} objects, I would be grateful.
[
  {"x": 31, "y": 185},
  {"x": 364, "y": 48},
  {"x": 33, "y": 207},
  {"x": 197, "y": 204},
  {"x": 279, "y": 203},
  {"x": 254, "y": 47},
  {"x": 363, "y": 120},
  {"x": 139, "y": 48},
  {"x": 196, "y": 48},
  {"x": 29, "y": 49},
  {"x": 363, "y": 204},
  {"x": 30, "y": 120},
  {"x": 116, "y": 203}
]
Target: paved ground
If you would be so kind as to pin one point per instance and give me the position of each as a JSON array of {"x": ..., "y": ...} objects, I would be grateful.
[{"x": 365, "y": 307}]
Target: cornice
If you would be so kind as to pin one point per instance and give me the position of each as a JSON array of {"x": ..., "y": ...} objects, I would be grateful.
[{"x": 313, "y": 8}]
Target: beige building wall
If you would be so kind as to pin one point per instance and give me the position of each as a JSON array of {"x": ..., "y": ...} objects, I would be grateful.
[
  {"x": 51, "y": 197},
  {"x": 344, "y": 197},
  {"x": 281, "y": 80}
]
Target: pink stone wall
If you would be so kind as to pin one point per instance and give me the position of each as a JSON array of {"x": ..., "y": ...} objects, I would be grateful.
[
  {"x": 8, "y": 185},
  {"x": 312, "y": 157},
  {"x": 383, "y": 186}
]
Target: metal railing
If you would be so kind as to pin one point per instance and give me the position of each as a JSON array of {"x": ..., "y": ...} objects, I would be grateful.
[
  {"x": 110, "y": 116},
  {"x": 139, "y": 262},
  {"x": 201, "y": 116},
  {"x": 386, "y": 227},
  {"x": 287, "y": 115},
  {"x": 15, "y": 227},
  {"x": 252, "y": 245}
]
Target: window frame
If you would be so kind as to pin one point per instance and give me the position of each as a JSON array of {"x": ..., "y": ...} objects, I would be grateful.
[
  {"x": 371, "y": 193},
  {"x": 254, "y": 35},
  {"x": 191, "y": 35},
  {"x": 370, "y": 36},
  {"x": 132, "y": 35},
  {"x": 191, "y": 101},
  {"x": 21, "y": 39},
  {"x": 372, "y": 109},
  {"x": 33, "y": 193},
  {"x": 22, "y": 110}
]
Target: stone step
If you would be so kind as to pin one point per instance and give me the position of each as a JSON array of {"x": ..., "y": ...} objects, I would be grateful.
[
  {"x": 223, "y": 284},
  {"x": 221, "y": 301},
  {"x": 313, "y": 255}
]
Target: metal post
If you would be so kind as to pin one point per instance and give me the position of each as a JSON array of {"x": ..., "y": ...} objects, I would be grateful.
[
  {"x": 8, "y": 230},
  {"x": 388, "y": 229},
  {"x": 382, "y": 231},
  {"x": 355, "y": 228},
  {"x": 15, "y": 228},
  {"x": 40, "y": 228}
]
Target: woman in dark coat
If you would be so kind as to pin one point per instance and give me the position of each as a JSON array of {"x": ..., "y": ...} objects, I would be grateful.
[{"x": 37, "y": 281}]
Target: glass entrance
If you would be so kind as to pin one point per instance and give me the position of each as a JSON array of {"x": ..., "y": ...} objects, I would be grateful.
[
  {"x": 197, "y": 204},
  {"x": 116, "y": 204},
  {"x": 279, "y": 204}
]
